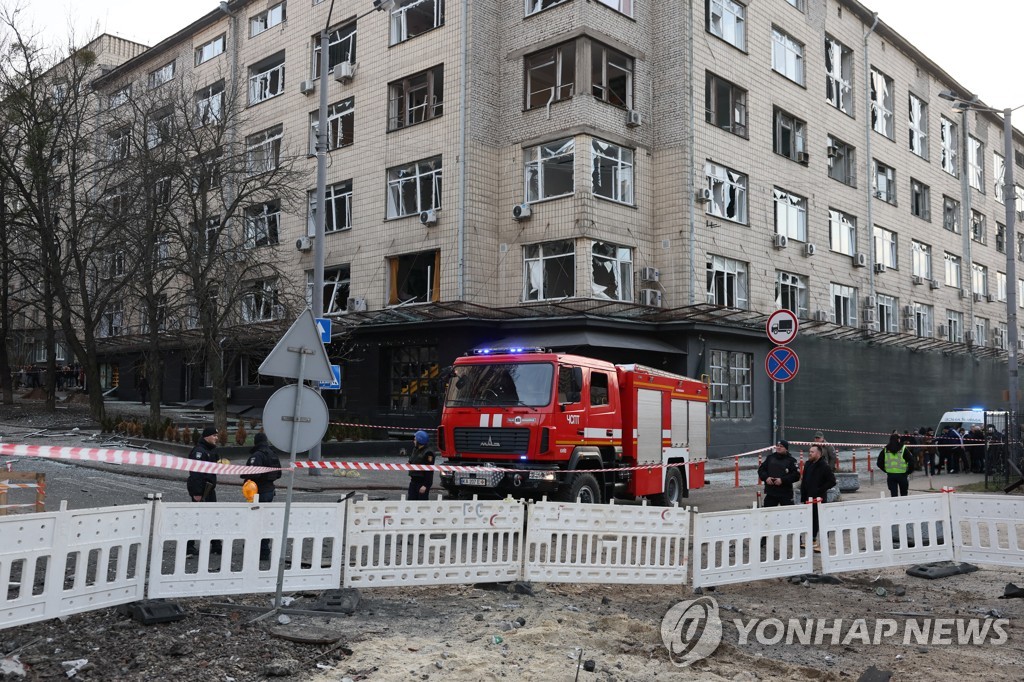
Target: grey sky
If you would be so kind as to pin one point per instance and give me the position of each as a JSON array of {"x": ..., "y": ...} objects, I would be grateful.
[{"x": 975, "y": 42}]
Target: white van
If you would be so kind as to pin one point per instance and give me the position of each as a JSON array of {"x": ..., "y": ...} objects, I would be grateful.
[{"x": 967, "y": 417}]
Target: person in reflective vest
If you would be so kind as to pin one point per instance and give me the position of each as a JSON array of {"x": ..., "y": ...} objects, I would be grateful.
[{"x": 896, "y": 462}]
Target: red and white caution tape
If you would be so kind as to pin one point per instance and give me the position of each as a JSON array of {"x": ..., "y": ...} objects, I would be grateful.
[{"x": 133, "y": 457}]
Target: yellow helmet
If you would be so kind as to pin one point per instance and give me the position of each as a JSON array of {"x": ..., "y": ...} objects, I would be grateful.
[{"x": 249, "y": 490}]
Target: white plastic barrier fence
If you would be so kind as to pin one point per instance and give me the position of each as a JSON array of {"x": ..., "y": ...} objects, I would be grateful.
[
  {"x": 228, "y": 537},
  {"x": 753, "y": 544},
  {"x": 607, "y": 544},
  {"x": 60, "y": 563},
  {"x": 988, "y": 529},
  {"x": 433, "y": 542},
  {"x": 865, "y": 534}
]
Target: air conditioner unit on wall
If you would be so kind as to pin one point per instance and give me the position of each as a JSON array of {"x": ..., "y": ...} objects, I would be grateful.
[
  {"x": 977, "y": 298},
  {"x": 941, "y": 331},
  {"x": 803, "y": 157},
  {"x": 879, "y": 267},
  {"x": 870, "y": 302},
  {"x": 990, "y": 298},
  {"x": 304, "y": 243},
  {"x": 821, "y": 315},
  {"x": 356, "y": 304},
  {"x": 780, "y": 241},
  {"x": 917, "y": 279},
  {"x": 521, "y": 212},
  {"x": 860, "y": 260},
  {"x": 307, "y": 87},
  {"x": 909, "y": 324},
  {"x": 934, "y": 284},
  {"x": 633, "y": 118},
  {"x": 650, "y": 274},
  {"x": 704, "y": 196},
  {"x": 810, "y": 249},
  {"x": 650, "y": 297},
  {"x": 429, "y": 217},
  {"x": 344, "y": 72}
]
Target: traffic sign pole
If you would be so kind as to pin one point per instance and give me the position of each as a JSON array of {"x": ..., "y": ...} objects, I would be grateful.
[{"x": 291, "y": 484}]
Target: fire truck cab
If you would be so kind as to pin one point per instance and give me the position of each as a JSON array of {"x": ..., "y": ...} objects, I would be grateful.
[{"x": 572, "y": 428}]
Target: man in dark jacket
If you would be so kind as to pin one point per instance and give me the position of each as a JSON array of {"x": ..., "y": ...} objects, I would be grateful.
[
  {"x": 261, "y": 455},
  {"x": 779, "y": 472},
  {"x": 420, "y": 481},
  {"x": 203, "y": 487},
  {"x": 816, "y": 481}
]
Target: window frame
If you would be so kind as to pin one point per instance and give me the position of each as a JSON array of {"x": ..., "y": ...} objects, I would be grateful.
[
  {"x": 790, "y": 207},
  {"x": 540, "y": 159},
  {"x": 842, "y": 164},
  {"x": 790, "y": 286},
  {"x": 337, "y": 196},
  {"x": 732, "y": 22},
  {"x": 839, "y": 77},
  {"x": 886, "y": 247},
  {"x": 953, "y": 270},
  {"x": 728, "y": 282},
  {"x": 621, "y": 168},
  {"x": 262, "y": 77},
  {"x": 920, "y": 200},
  {"x": 888, "y": 194},
  {"x": 789, "y": 56},
  {"x": 536, "y": 265},
  {"x": 917, "y": 125},
  {"x": 262, "y": 224},
  {"x": 601, "y": 86},
  {"x": 951, "y": 218},
  {"x": 430, "y": 169},
  {"x": 617, "y": 262},
  {"x": 268, "y": 17},
  {"x": 562, "y": 64},
  {"x": 260, "y": 301},
  {"x": 922, "y": 259},
  {"x": 843, "y": 299},
  {"x": 882, "y": 103},
  {"x": 887, "y": 311},
  {"x": 337, "y": 280},
  {"x": 340, "y": 125},
  {"x": 714, "y": 87},
  {"x": 843, "y": 225},
  {"x": 789, "y": 135},
  {"x": 206, "y": 112},
  {"x": 725, "y": 181},
  {"x": 398, "y": 22},
  {"x": 157, "y": 77},
  {"x": 731, "y": 384},
  {"x": 949, "y": 140},
  {"x": 267, "y": 139},
  {"x": 401, "y": 97},
  {"x": 336, "y": 35},
  {"x": 976, "y": 163},
  {"x": 216, "y": 48}
]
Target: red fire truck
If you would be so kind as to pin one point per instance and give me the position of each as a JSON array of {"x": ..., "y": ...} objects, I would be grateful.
[{"x": 547, "y": 416}]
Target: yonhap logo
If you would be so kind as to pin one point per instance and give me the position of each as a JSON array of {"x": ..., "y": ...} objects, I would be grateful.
[{"x": 691, "y": 630}]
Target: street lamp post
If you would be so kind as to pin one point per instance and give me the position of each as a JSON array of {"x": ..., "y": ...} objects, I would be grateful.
[
  {"x": 1010, "y": 204},
  {"x": 317, "y": 302}
]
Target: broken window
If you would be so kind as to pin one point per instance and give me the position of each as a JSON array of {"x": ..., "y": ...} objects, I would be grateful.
[
  {"x": 952, "y": 270},
  {"x": 976, "y": 163},
  {"x": 119, "y": 97},
  {"x": 955, "y": 326},
  {"x": 266, "y": 20},
  {"x": 550, "y": 75},
  {"x": 118, "y": 144},
  {"x": 951, "y": 214},
  {"x": 978, "y": 227},
  {"x": 410, "y": 18},
  {"x": 259, "y": 304},
  {"x": 790, "y": 136},
  {"x": 550, "y": 270},
  {"x": 924, "y": 316},
  {"x": 885, "y": 247},
  {"x": 338, "y": 214},
  {"x": 263, "y": 150},
  {"x": 788, "y": 56},
  {"x": 340, "y": 125},
  {"x": 887, "y": 308},
  {"x": 112, "y": 321},
  {"x": 549, "y": 169},
  {"x": 728, "y": 193},
  {"x": 1000, "y": 237},
  {"x": 266, "y": 79},
  {"x": 838, "y": 75},
  {"x": 799, "y": 4},
  {"x": 612, "y": 268},
  {"x": 881, "y": 103},
  {"x": 414, "y": 278},
  {"x": 842, "y": 161},
  {"x": 210, "y": 104},
  {"x": 341, "y": 47},
  {"x": 414, "y": 188},
  {"x": 1000, "y": 286},
  {"x": 950, "y": 143},
  {"x": 534, "y": 6},
  {"x": 208, "y": 51},
  {"x": 727, "y": 282},
  {"x": 920, "y": 200},
  {"x": 790, "y": 214},
  {"x": 728, "y": 20},
  {"x": 725, "y": 105},
  {"x": 918, "y": 124},
  {"x": 612, "y": 76},
  {"x": 885, "y": 182},
  {"x": 999, "y": 172},
  {"x": 612, "y": 171},
  {"x": 414, "y": 383},
  {"x": 922, "y": 259},
  {"x": 158, "y": 77},
  {"x": 842, "y": 232},
  {"x": 791, "y": 293},
  {"x": 416, "y": 99},
  {"x": 159, "y": 128},
  {"x": 844, "y": 304},
  {"x": 337, "y": 285},
  {"x": 262, "y": 224}
]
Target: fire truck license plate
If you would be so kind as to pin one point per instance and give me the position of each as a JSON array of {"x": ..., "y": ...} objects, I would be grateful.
[{"x": 474, "y": 481}]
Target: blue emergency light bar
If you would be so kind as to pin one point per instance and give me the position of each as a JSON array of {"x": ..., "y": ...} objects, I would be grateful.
[{"x": 508, "y": 351}]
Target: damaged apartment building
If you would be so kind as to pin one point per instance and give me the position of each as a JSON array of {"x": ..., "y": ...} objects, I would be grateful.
[{"x": 635, "y": 180}]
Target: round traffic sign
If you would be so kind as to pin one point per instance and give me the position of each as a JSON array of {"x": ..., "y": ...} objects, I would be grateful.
[
  {"x": 781, "y": 364},
  {"x": 782, "y": 327},
  {"x": 280, "y": 418}
]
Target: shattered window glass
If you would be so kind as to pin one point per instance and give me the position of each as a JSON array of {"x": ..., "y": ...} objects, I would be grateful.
[
  {"x": 842, "y": 231},
  {"x": 612, "y": 171},
  {"x": 838, "y": 75},
  {"x": 550, "y": 270},
  {"x": 918, "y": 124},
  {"x": 881, "y": 103},
  {"x": 976, "y": 163},
  {"x": 728, "y": 193},
  {"x": 414, "y": 188},
  {"x": 790, "y": 214},
  {"x": 791, "y": 293},
  {"x": 612, "y": 268},
  {"x": 950, "y": 137},
  {"x": 727, "y": 282},
  {"x": 727, "y": 20},
  {"x": 999, "y": 170},
  {"x": 550, "y": 75},
  {"x": 549, "y": 169}
]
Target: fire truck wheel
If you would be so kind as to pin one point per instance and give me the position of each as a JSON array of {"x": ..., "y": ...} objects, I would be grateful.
[
  {"x": 675, "y": 490},
  {"x": 584, "y": 489}
]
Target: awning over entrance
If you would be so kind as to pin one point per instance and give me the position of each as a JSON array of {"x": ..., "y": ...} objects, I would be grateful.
[{"x": 588, "y": 337}]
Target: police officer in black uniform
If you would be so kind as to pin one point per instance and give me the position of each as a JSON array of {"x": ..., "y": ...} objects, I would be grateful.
[{"x": 202, "y": 487}]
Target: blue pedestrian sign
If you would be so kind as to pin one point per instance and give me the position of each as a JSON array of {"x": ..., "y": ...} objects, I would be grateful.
[
  {"x": 781, "y": 364},
  {"x": 323, "y": 326},
  {"x": 333, "y": 385}
]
